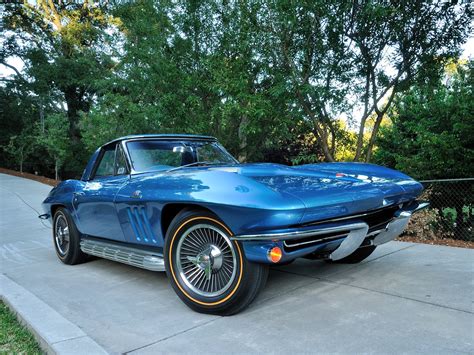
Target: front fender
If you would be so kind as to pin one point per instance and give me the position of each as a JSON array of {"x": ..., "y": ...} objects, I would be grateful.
[
  {"x": 242, "y": 203},
  {"x": 63, "y": 195}
]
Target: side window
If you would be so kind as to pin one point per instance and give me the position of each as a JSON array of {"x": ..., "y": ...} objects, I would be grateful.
[
  {"x": 120, "y": 161},
  {"x": 106, "y": 165}
]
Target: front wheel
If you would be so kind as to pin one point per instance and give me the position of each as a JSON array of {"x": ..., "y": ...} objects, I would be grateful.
[
  {"x": 208, "y": 270},
  {"x": 67, "y": 238}
]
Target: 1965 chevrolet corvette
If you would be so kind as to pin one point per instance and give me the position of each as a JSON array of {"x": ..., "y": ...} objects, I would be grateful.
[{"x": 182, "y": 204}]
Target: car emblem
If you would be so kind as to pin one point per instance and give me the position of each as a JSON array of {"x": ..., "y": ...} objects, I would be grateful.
[{"x": 136, "y": 194}]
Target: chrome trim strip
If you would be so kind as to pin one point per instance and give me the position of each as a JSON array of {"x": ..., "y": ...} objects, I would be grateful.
[
  {"x": 314, "y": 240},
  {"x": 143, "y": 259},
  {"x": 300, "y": 234},
  {"x": 376, "y": 232},
  {"x": 408, "y": 213},
  {"x": 421, "y": 206}
]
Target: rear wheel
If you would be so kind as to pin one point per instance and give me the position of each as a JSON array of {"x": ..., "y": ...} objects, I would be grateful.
[
  {"x": 357, "y": 256},
  {"x": 67, "y": 238},
  {"x": 208, "y": 270}
]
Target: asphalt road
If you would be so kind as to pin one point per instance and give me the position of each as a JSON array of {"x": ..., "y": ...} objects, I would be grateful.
[{"x": 406, "y": 297}]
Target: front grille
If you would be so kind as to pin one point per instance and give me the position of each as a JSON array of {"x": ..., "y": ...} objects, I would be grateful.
[
  {"x": 373, "y": 218},
  {"x": 376, "y": 219},
  {"x": 379, "y": 219},
  {"x": 300, "y": 243}
]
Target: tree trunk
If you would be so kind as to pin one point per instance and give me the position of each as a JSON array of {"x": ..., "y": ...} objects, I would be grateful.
[
  {"x": 56, "y": 168},
  {"x": 75, "y": 104},
  {"x": 21, "y": 161},
  {"x": 377, "y": 124},
  {"x": 322, "y": 138},
  {"x": 320, "y": 134},
  {"x": 373, "y": 136},
  {"x": 42, "y": 115},
  {"x": 360, "y": 139},
  {"x": 243, "y": 139}
]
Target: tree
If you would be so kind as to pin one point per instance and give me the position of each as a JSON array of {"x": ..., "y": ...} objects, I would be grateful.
[
  {"x": 432, "y": 130},
  {"x": 65, "y": 49},
  {"x": 338, "y": 56},
  {"x": 196, "y": 70},
  {"x": 256, "y": 74},
  {"x": 54, "y": 138},
  {"x": 20, "y": 147},
  {"x": 17, "y": 112}
]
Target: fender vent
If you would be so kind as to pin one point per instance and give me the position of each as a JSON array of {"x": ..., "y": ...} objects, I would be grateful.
[{"x": 140, "y": 224}]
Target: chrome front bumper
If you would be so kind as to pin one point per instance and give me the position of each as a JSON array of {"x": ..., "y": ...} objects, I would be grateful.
[{"x": 356, "y": 232}]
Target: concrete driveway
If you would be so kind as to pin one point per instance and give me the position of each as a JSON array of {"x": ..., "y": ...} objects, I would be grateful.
[{"x": 405, "y": 298}]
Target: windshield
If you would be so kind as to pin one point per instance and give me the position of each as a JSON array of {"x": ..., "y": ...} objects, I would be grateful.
[{"x": 154, "y": 155}]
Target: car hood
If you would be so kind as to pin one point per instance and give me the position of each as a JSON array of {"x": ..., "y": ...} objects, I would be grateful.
[
  {"x": 306, "y": 193},
  {"x": 335, "y": 189}
]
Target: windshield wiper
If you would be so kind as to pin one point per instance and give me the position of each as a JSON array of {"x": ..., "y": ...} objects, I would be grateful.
[{"x": 196, "y": 163}]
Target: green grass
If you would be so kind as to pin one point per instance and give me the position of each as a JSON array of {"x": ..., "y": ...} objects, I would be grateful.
[{"x": 14, "y": 337}]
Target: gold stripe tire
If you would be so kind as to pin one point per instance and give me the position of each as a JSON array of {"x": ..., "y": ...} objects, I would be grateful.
[{"x": 207, "y": 270}]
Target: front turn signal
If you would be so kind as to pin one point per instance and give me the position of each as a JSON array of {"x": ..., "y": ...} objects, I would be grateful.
[{"x": 275, "y": 254}]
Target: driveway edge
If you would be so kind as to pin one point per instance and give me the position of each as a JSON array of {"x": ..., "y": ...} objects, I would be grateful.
[{"x": 54, "y": 333}]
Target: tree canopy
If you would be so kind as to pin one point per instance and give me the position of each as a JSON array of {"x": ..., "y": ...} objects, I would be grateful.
[
  {"x": 282, "y": 80},
  {"x": 432, "y": 131}
]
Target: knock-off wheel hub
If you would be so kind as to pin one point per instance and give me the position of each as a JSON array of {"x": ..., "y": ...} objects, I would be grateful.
[
  {"x": 209, "y": 260},
  {"x": 206, "y": 260}
]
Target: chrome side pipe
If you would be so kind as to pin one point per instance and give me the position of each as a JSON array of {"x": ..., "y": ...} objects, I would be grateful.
[{"x": 143, "y": 259}]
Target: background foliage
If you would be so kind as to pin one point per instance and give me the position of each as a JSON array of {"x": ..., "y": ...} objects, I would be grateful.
[{"x": 279, "y": 80}]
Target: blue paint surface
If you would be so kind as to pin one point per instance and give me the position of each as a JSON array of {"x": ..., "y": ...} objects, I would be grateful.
[{"x": 248, "y": 198}]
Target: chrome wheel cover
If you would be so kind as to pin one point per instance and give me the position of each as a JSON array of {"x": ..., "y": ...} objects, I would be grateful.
[
  {"x": 61, "y": 234},
  {"x": 206, "y": 260}
]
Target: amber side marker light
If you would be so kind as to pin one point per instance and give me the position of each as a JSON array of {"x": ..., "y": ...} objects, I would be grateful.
[{"x": 275, "y": 254}]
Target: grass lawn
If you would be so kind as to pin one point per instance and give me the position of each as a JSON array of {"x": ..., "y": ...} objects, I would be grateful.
[{"x": 15, "y": 338}]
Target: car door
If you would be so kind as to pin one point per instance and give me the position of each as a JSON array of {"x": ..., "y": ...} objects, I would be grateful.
[{"x": 94, "y": 204}]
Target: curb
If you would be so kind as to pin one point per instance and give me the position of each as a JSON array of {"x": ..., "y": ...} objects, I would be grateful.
[{"x": 54, "y": 333}]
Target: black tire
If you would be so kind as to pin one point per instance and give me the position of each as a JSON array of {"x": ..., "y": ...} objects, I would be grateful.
[
  {"x": 69, "y": 253},
  {"x": 357, "y": 256},
  {"x": 207, "y": 270}
]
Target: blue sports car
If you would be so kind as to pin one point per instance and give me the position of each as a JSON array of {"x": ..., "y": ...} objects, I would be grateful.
[{"x": 182, "y": 204}]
